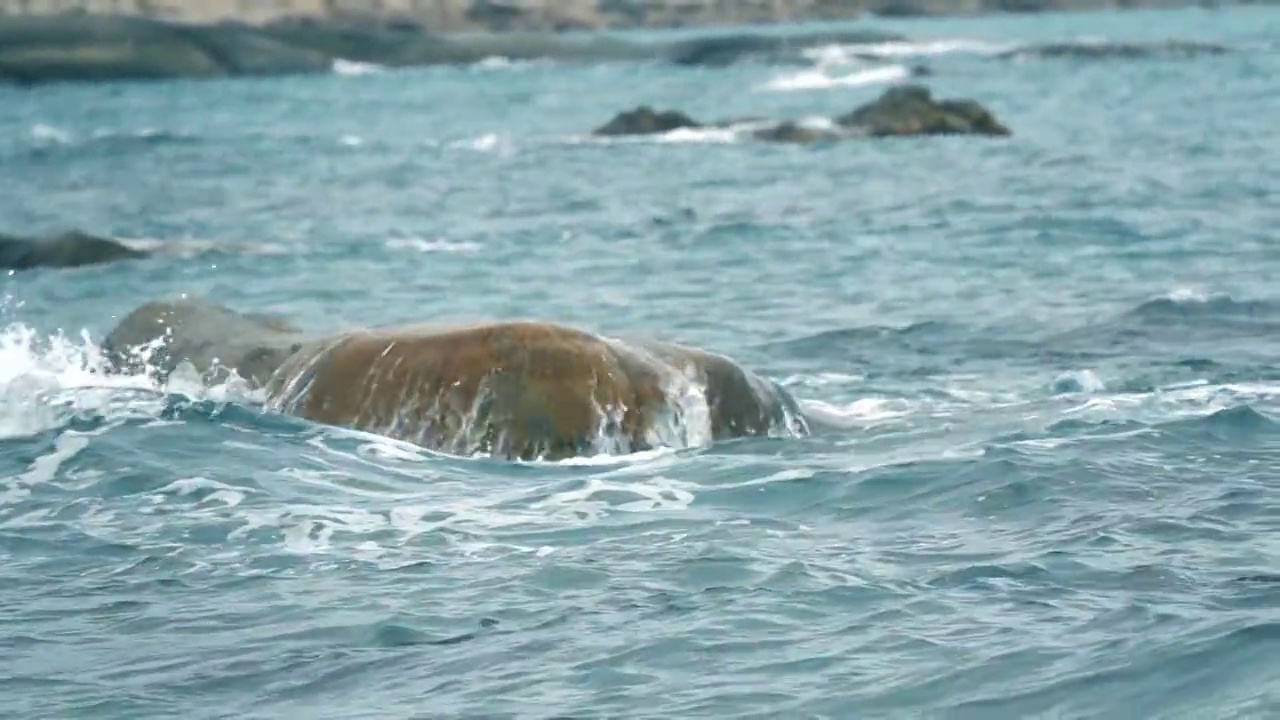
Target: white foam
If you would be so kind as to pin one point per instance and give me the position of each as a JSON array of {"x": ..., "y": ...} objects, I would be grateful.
[
  {"x": 221, "y": 492},
  {"x": 43, "y": 133},
  {"x": 1188, "y": 295},
  {"x": 1172, "y": 402},
  {"x": 433, "y": 246},
  {"x": 499, "y": 62},
  {"x": 782, "y": 476},
  {"x": 861, "y": 413},
  {"x": 1078, "y": 381},
  {"x": 352, "y": 67},
  {"x": 46, "y": 380},
  {"x": 821, "y": 380},
  {"x": 699, "y": 135},
  {"x": 819, "y": 79},
  {"x": 909, "y": 49},
  {"x": 605, "y": 459},
  {"x": 597, "y": 496}
]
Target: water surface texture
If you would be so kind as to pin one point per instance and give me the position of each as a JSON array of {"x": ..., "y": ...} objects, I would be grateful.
[{"x": 1046, "y": 370}]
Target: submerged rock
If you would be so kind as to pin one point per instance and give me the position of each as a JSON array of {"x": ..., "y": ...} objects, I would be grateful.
[
  {"x": 644, "y": 120},
  {"x": 911, "y": 110},
  {"x": 790, "y": 131},
  {"x": 68, "y": 249}
]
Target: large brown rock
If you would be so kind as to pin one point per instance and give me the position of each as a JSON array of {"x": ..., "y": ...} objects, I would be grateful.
[{"x": 516, "y": 390}]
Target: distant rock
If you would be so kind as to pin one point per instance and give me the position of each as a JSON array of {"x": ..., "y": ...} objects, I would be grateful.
[
  {"x": 1107, "y": 50},
  {"x": 911, "y": 110},
  {"x": 644, "y": 120},
  {"x": 65, "y": 250}
]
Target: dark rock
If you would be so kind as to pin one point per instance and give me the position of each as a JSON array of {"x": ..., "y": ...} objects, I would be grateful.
[
  {"x": 1115, "y": 50},
  {"x": 792, "y": 132},
  {"x": 68, "y": 249},
  {"x": 911, "y": 110},
  {"x": 644, "y": 120},
  {"x": 921, "y": 71},
  {"x": 210, "y": 337}
]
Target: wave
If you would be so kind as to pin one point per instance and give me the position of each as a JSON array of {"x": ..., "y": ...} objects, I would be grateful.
[
  {"x": 45, "y": 136},
  {"x": 820, "y": 79},
  {"x": 900, "y": 50},
  {"x": 680, "y": 136},
  {"x": 1188, "y": 306},
  {"x": 422, "y": 245},
  {"x": 354, "y": 68},
  {"x": 46, "y": 381}
]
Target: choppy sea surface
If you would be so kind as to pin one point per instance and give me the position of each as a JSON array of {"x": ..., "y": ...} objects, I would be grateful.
[{"x": 1046, "y": 370}]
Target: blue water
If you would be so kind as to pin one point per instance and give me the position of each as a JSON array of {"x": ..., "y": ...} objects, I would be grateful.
[{"x": 1046, "y": 370}]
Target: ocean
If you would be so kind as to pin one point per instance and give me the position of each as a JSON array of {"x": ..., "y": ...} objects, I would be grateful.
[{"x": 1044, "y": 371}]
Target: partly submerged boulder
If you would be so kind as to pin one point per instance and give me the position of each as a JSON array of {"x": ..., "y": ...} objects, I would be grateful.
[
  {"x": 912, "y": 110},
  {"x": 511, "y": 389},
  {"x": 68, "y": 249},
  {"x": 644, "y": 120}
]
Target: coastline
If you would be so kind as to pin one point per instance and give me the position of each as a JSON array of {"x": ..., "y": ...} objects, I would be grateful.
[{"x": 37, "y": 48}]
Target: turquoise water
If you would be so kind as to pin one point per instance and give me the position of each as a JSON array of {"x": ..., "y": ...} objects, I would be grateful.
[{"x": 1045, "y": 369}]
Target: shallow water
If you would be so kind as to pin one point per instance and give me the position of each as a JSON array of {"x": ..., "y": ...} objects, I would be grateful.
[{"x": 1046, "y": 369}]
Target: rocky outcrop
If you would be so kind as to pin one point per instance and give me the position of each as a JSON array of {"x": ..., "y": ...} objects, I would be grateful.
[
  {"x": 901, "y": 110},
  {"x": 911, "y": 110},
  {"x": 516, "y": 390},
  {"x": 64, "y": 250}
]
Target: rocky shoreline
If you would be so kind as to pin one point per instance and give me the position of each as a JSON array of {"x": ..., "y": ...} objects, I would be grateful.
[{"x": 36, "y": 50}]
